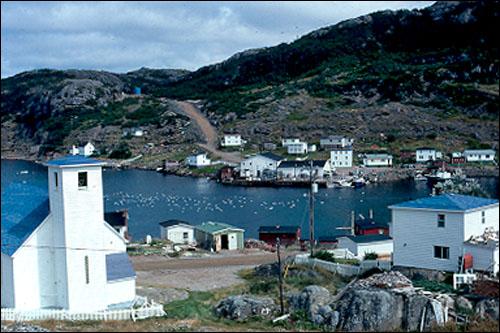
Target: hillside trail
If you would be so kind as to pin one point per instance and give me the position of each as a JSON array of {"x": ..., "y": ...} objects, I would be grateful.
[{"x": 209, "y": 132}]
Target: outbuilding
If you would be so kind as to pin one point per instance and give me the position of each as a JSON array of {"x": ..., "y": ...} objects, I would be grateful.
[
  {"x": 288, "y": 234},
  {"x": 177, "y": 231},
  {"x": 217, "y": 236},
  {"x": 360, "y": 245}
]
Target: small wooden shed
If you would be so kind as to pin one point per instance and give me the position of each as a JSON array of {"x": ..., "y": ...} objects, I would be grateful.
[{"x": 217, "y": 236}]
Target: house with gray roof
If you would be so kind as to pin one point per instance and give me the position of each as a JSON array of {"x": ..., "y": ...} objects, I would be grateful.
[
  {"x": 295, "y": 170},
  {"x": 377, "y": 160},
  {"x": 177, "y": 231},
  {"x": 479, "y": 155},
  {"x": 260, "y": 165}
]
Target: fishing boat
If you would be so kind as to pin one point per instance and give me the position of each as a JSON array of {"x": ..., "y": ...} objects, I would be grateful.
[
  {"x": 419, "y": 177},
  {"x": 23, "y": 172},
  {"x": 359, "y": 182},
  {"x": 439, "y": 176}
]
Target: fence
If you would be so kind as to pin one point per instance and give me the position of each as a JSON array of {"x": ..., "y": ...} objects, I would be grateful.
[
  {"x": 342, "y": 269},
  {"x": 155, "y": 310}
]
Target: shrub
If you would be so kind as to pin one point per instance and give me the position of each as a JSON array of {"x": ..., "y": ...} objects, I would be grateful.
[
  {"x": 370, "y": 256},
  {"x": 324, "y": 255},
  {"x": 121, "y": 151}
]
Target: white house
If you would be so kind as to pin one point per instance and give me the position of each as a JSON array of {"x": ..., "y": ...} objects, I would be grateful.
[
  {"x": 479, "y": 155},
  {"x": 198, "y": 160},
  {"x": 178, "y": 232},
  {"x": 425, "y": 154},
  {"x": 377, "y": 160},
  {"x": 289, "y": 141},
  {"x": 301, "y": 169},
  {"x": 430, "y": 232},
  {"x": 86, "y": 150},
  {"x": 299, "y": 148},
  {"x": 484, "y": 251},
  {"x": 341, "y": 157},
  {"x": 255, "y": 166},
  {"x": 382, "y": 245},
  {"x": 335, "y": 141},
  {"x": 232, "y": 140},
  {"x": 60, "y": 253}
]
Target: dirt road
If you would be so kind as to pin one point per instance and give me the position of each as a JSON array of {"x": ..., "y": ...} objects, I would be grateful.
[
  {"x": 209, "y": 132},
  {"x": 200, "y": 273}
]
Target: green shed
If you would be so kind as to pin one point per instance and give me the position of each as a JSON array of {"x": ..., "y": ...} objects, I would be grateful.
[{"x": 218, "y": 236}]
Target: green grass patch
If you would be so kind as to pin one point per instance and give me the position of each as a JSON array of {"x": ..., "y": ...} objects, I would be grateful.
[
  {"x": 197, "y": 306},
  {"x": 297, "y": 116},
  {"x": 433, "y": 286},
  {"x": 211, "y": 169}
]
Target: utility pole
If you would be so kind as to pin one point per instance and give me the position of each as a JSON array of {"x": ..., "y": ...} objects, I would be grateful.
[
  {"x": 311, "y": 209},
  {"x": 278, "y": 246}
]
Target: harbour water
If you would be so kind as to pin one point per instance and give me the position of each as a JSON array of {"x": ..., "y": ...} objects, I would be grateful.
[{"x": 152, "y": 197}]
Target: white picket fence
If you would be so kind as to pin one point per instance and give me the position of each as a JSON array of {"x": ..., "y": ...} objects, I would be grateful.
[
  {"x": 342, "y": 269},
  {"x": 155, "y": 310}
]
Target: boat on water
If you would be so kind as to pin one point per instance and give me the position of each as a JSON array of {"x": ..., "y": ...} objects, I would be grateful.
[
  {"x": 23, "y": 172},
  {"x": 359, "y": 182},
  {"x": 439, "y": 176},
  {"x": 419, "y": 177}
]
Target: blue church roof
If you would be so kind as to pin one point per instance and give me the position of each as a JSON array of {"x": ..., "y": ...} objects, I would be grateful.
[
  {"x": 118, "y": 266},
  {"x": 24, "y": 207},
  {"x": 449, "y": 201},
  {"x": 73, "y": 160}
]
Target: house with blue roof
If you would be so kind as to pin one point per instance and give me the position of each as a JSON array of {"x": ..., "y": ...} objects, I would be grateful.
[
  {"x": 57, "y": 250},
  {"x": 432, "y": 232}
]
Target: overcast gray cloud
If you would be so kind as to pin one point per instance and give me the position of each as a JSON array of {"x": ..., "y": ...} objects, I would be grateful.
[{"x": 123, "y": 36}]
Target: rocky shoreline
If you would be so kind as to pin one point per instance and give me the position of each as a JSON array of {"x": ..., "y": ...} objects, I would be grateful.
[{"x": 378, "y": 175}]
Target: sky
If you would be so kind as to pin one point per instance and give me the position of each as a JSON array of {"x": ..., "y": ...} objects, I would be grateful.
[{"x": 124, "y": 36}]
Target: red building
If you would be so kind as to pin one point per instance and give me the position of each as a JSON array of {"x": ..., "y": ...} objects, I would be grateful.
[
  {"x": 368, "y": 226},
  {"x": 287, "y": 234},
  {"x": 458, "y": 160},
  {"x": 226, "y": 174}
]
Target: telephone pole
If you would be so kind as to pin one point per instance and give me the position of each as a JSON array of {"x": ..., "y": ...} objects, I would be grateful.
[
  {"x": 311, "y": 209},
  {"x": 278, "y": 246}
]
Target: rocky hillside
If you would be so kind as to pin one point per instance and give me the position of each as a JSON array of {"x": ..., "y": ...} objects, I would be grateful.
[
  {"x": 396, "y": 79},
  {"x": 46, "y": 111}
]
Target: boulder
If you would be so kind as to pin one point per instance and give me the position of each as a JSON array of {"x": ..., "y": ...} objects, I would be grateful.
[
  {"x": 488, "y": 309},
  {"x": 242, "y": 307},
  {"x": 446, "y": 301},
  {"x": 369, "y": 310},
  {"x": 463, "y": 304},
  {"x": 311, "y": 300},
  {"x": 387, "y": 302}
]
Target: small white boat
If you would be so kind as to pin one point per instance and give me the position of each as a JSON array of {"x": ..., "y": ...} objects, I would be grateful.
[
  {"x": 23, "y": 172},
  {"x": 419, "y": 177},
  {"x": 359, "y": 182},
  {"x": 439, "y": 176}
]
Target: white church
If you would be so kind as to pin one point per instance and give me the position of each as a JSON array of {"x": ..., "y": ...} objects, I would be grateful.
[{"x": 60, "y": 253}]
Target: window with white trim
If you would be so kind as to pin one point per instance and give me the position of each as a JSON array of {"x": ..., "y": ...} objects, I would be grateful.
[
  {"x": 441, "y": 220},
  {"x": 441, "y": 252}
]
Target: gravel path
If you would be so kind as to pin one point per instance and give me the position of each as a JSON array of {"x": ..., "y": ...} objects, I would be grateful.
[
  {"x": 209, "y": 132},
  {"x": 198, "y": 273}
]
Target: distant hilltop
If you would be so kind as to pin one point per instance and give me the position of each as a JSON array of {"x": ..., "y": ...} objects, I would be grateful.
[{"x": 391, "y": 78}]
